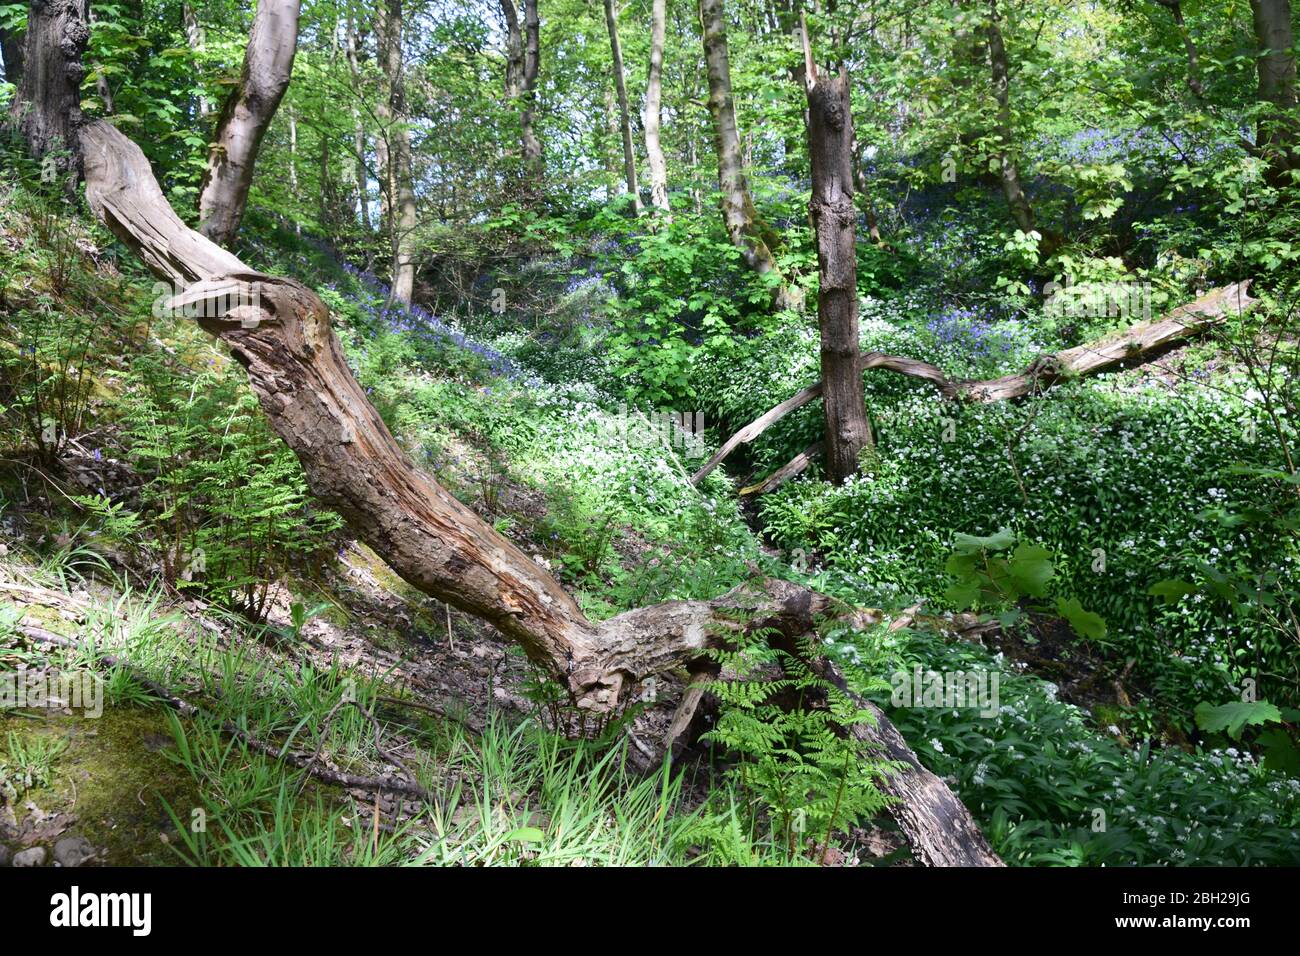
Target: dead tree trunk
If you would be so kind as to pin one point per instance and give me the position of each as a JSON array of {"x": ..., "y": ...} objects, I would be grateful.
[
  {"x": 745, "y": 229},
  {"x": 1279, "y": 131},
  {"x": 279, "y": 330},
  {"x": 652, "y": 117},
  {"x": 830, "y": 147},
  {"x": 245, "y": 118},
  {"x": 1008, "y": 172},
  {"x": 47, "y": 107},
  {"x": 624, "y": 118}
]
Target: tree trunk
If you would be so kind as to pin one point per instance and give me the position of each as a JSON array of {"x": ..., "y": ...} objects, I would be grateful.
[
  {"x": 46, "y": 110},
  {"x": 624, "y": 118},
  {"x": 653, "y": 115},
  {"x": 351, "y": 47},
  {"x": 402, "y": 211},
  {"x": 523, "y": 53},
  {"x": 744, "y": 228},
  {"x": 1279, "y": 131},
  {"x": 830, "y": 147},
  {"x": 245, "y": 118},
  {"x": 1017, "y": 202},
  {"x": 195, "y": 38}
]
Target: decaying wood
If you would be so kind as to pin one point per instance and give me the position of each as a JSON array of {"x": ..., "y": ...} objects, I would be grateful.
[
  {"x": 796, "y": 465},
  {"x": 846, "y": 428},
  {"x": 1136, "y": 344},
  {"x": 279, "y": 330},
  {"x": 47, "y": 106}
]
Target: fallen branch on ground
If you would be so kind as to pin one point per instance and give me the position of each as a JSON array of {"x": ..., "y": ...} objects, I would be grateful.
[{"x": 1138, "y": 342}]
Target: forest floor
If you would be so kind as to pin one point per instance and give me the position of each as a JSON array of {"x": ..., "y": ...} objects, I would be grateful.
[{"x": 350, "y": 671}]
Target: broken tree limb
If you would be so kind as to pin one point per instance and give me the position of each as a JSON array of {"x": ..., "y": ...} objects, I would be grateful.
[
  {"x": 1139, "y": 342},
  {"x": 279, "y": 330},
  {"x": 794, "y": 466}
]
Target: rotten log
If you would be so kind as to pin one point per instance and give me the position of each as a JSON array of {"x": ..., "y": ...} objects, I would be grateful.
[
  {"x": 1136, "y": 344},
  {"x": 279, "y": 331}
]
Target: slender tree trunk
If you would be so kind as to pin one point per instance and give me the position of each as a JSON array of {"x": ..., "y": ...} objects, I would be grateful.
[
  {"x": 351, "y": 47},
  {"x": 1279, "y": 132},
  {"x": 830, "y": 148},
  {"x": 1017, "y": 202},
  {"x": 532, "y": 62},
  {"x": 46, "y": 109},
  {"x": 651, "y": 118},
  {"x": 245, "y": 118},
  {"x": 402, "y": 211},
  {"x": 609, "y": 146},
  {"x": 523, "y": 50},
  {"x": 744, "y": 227},
  {"x": 1175, "y": 8},
  {"x": 624, "y": 117},
  {"x": 195, "y": 38}
]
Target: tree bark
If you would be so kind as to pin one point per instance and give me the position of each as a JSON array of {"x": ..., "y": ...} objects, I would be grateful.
[
  {"x": 745, "y": 229},
  {"x": 1278, "y": 134},
  {"x": 245, "y": 118},
  {"x": 46, "y": 110},
  {"x": 195, "y": 38},
  {"x": 397, "y": 134},
  {"x": 624, "y": 117},
  {"x": 1008, "y": 172},
  {"x": 523, "y": 55},
  {"x": 830, "y": 146},
  {"x": 652, "y": 116}
]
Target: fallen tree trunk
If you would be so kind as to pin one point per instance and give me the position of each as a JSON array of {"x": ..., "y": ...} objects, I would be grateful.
[
  {"x": 1137, "y": 343},
  {"x": 279, "y": 330}
]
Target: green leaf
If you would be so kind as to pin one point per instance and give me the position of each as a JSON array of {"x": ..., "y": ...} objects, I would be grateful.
[
  {"x": 1171, "y": 590},
  {"x": 971, "y": 544},
  {"x": 1085, "y": 623},
  {"x": 1280, "y": 751},
  {"x": 1233, "y": 717},
  {"x": 525, "y": 835},
  {"x": 1031, "y": 568}
]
